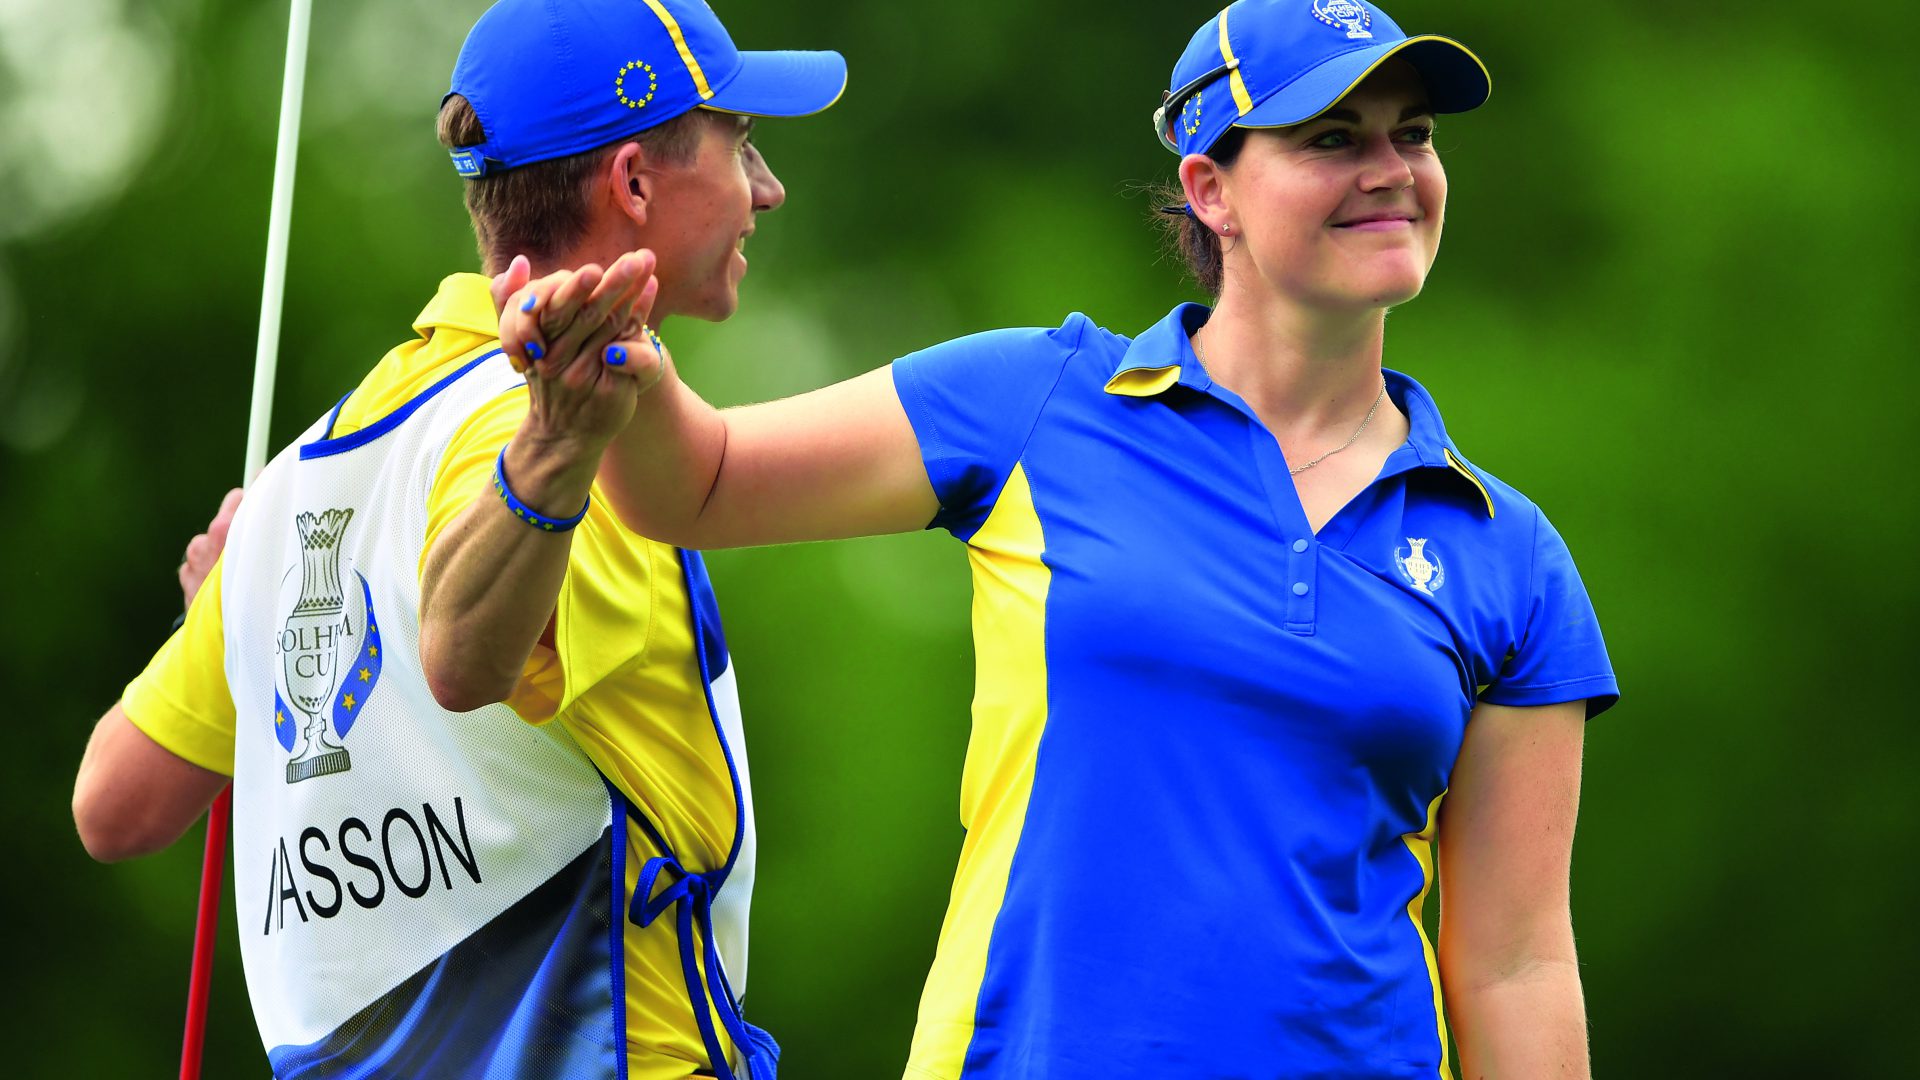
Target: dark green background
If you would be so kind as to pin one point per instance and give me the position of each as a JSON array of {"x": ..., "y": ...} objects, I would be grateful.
[{"x": 1672, "y": 307}]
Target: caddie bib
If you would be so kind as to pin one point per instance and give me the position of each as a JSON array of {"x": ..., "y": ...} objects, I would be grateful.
[{"x": 423, "y": 893}]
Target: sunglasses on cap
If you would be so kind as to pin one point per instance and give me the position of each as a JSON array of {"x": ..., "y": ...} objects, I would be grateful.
[{"x": 1174, "y": 102}]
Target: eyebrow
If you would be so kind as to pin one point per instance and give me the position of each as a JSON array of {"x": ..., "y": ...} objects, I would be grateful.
[{"x": 1348, "y": 116}]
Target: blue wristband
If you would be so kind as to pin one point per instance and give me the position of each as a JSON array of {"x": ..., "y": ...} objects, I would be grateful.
[{"x": 527, "y": 513}]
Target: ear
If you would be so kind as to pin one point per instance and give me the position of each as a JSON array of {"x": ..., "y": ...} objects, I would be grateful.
[
  {"x": 629, "y": 182},
  {"x": 1205, "y": 183}
]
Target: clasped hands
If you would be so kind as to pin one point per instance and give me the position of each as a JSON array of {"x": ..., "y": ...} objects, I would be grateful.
[{"x": 581, "y": 339}]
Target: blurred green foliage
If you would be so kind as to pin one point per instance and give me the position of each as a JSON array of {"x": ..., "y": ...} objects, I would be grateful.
[{"x": 1673, "y": 307}]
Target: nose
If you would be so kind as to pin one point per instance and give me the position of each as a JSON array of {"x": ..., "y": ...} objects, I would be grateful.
[
  {"x": 768, "y": 192},
  {"x": 1384, "y": 169}
]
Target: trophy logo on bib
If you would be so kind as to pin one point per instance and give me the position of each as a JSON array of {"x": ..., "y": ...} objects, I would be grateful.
[{"x": 329, "y": 651}]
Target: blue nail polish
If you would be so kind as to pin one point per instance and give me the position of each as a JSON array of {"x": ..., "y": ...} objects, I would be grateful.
[
  {"x": 616, "y": 356},
  {"x": 534, "y": 350},
  {"x": 532, "y": 299}
]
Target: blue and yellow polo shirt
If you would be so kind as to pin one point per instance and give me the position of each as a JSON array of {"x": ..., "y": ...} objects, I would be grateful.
[{"x": 1209, "y": 745}]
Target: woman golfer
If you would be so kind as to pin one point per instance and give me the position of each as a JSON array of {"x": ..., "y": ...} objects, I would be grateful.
[{"x": 1261, "y": 652}]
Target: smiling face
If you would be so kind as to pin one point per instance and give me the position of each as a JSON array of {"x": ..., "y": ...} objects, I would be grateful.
[
  {"x": 1342, "y": 213},
  {"x": 700, "y": 214}
]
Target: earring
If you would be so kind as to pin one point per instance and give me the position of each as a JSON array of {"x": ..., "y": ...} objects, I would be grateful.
[{"x": 1225, "y": 229}]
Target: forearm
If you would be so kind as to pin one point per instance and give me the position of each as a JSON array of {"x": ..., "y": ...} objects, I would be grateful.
[
  {"x": 837, "y": 462},
  {"x": 490, "y": 582},
  {"x": 660, "y": 472},
  {"x": 1526, "y": 1023}
]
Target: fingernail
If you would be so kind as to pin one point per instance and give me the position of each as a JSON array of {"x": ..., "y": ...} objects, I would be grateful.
[
  {"x": 532, "y": 299},
  {"x": 534, "y": 350},
  {"x": 616, "y": 355}
]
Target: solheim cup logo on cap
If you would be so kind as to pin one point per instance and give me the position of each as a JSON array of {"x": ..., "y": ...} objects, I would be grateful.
[
  {"x": 636, "y": 99},
  {"x": 329, "y": 651},
  {"x": 1421, "y": 569},
  {"x": 1345, "y": 13}
]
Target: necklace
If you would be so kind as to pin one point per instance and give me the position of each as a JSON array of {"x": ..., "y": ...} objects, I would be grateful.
[
  {"x": 1296, "y": 470},
  {"x": 1377, "y": 398}
]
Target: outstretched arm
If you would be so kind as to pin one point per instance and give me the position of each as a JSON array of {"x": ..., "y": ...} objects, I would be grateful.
[
  {"x": 837, "y": 462},
  {"x": 1506, "y": 933}
]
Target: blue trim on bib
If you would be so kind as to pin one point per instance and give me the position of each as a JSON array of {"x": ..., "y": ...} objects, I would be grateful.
[
  {"x": 328, "y": 447},
  {"x": 334, "y": 416},
  {"x": 616, "y": 924},
  {"x": 710, "y": 647}
]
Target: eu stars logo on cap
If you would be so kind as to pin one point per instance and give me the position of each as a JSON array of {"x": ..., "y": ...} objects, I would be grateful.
[
  {"x": 1276, "y": 63},
  {"x": 552, "y": 78}
]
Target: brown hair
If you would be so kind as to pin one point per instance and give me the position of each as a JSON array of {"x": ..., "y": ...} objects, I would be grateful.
[
  {"x": 540, "y": 210},
  {"x": 1184, "y": 235}
]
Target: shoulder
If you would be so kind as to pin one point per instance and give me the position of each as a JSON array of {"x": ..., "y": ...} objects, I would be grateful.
[
  {"x": 1462, "y": 492},
  {"x": 1503, "y": 504},
  {"x": 1506, "y": 525},
  {"x": 1512, "y": 515},
  {"x": 993, "y": 373},
  {"x": 488, "y": 418},
  {"x": 1026, "y": 346},
  {"x": 1523, "y": 558}
]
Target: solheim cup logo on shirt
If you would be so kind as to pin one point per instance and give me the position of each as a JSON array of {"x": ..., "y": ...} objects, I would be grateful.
[
  {"x": 1345, "y": 13},
  {"x": 1420, "y": 567},
  {"x": 329, "y": 651}
]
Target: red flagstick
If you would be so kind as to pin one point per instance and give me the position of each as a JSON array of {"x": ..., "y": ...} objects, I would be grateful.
[{"x": 206, "y": 930}]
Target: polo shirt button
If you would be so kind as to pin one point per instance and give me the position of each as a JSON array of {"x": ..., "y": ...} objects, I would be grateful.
[
  {"x": 1300, "y": 546},
  {"x": 1299, "y": 588}
]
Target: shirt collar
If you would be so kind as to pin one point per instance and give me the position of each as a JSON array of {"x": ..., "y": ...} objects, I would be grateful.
[
  {"x": 464, "y": 302},
  {"x": 1162, "y": 357}
]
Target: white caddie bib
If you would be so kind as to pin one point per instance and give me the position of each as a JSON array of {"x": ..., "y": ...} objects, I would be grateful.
[{"x": 420, "y": 892}]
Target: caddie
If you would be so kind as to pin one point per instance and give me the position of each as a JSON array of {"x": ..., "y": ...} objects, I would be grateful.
[{"x": 492, "y": 814}]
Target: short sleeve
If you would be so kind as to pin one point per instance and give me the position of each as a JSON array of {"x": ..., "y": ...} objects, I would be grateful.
[
  {"x": 604, "y": 616},
  {"x": 181, "y": 700},
  {"x": 601, "y": 615},
  {"x": 1561, "y": 655},
  {"x": 972, "y": 402}
]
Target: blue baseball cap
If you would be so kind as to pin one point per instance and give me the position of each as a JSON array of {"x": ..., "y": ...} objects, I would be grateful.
[
  {"x": 551, "y": 78},
  {"x": 1275, "y": 63}
]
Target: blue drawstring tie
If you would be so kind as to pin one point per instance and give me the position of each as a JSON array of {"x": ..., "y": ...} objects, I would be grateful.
[{"x": 690, "y": 896}]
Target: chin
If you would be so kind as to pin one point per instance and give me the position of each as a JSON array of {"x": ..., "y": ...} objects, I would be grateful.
[
  {"x": 709, "y": 308},
  {"x": 1392, "y": 297},
  {"x": 1394, "y": 288}
]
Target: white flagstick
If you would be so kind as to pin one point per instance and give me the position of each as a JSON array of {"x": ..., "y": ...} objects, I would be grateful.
[
  {"x": 265, "y": 361},
  {"x": 266, "y": 356}
]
